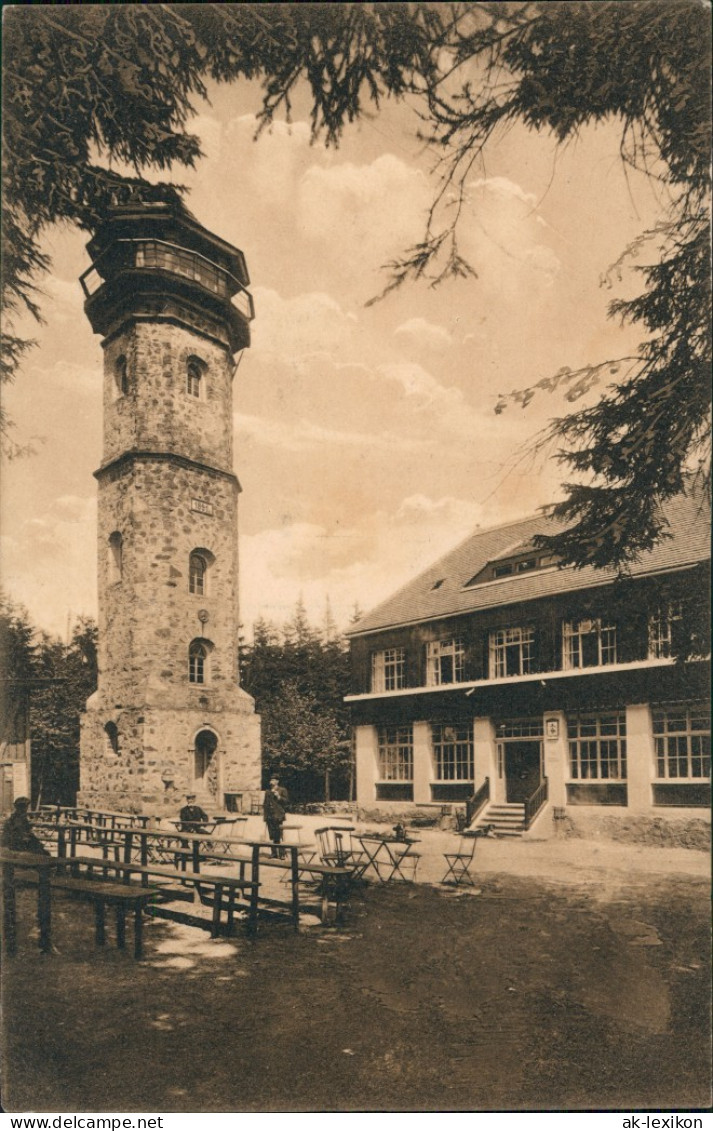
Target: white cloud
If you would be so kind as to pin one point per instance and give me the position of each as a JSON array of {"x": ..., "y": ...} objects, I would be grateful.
[
  {"x": 49, "y": 565},
  {"x": 502, "y": 238},
  {"x": 420, "y": 332},
  {"x": 64, "y": 298},
  {"x": 503, "y": 187},
  {"x": 443, "y": 406},
  {"x": 306, "y": 435},
  {"x": 77, "y": 378},
  {"x": 366, "y": 213},
  {"x": 360, "y": 565},
  {"x": 300, "y": 326}
]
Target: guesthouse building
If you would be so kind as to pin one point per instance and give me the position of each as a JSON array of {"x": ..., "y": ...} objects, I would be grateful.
[{"x": 504, "y": 681}]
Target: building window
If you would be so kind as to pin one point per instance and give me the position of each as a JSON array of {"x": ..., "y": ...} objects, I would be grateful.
[
  {"x": 396, "y": 754},
  {"x": 452, "y": 752},
  {"x": 588, "y": 644},
  {"x": 511, "y": 652},
  {"x": 388, "y": 669},
  {"x": 445, "y": 662},
  {"x": 682, "y": 740},
  {"x": 511, "y": 567},
  {"x": 597, "y": 747},
  {"x": 197, "y": 575},
  {"x": 661, "y": 630},
  {"x": 198, "y": 662},
  {"x": 121, "y": 376},
  {"x": 520, "y": 728},
  {"x": 195, "y": 370},
  {"x": 116, "y": 558}
]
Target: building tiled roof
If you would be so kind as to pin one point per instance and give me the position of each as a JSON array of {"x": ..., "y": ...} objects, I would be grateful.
[{"x": 688, "y": 519}]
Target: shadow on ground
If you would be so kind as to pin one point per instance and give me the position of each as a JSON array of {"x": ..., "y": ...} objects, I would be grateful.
[{"x": 529, "y": 995}]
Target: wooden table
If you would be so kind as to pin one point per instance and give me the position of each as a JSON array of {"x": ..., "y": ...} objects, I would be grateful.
[
  {"x": 43, "y": 865},
  {"x": 387, "y": 855}
]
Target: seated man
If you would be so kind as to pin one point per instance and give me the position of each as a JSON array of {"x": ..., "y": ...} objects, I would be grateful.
[
  {"x": 192, "y": 817},
  {"x": 17, "y": 833}
]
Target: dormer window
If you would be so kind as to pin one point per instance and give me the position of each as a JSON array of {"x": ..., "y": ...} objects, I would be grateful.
[
  {"x": 195, "y": 371},
  {"x": 511, "y": 566},
  {"x": 503, "y": 570}
]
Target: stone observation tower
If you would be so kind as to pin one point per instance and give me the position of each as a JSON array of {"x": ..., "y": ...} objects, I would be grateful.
[{"x": 168, "y": 717}]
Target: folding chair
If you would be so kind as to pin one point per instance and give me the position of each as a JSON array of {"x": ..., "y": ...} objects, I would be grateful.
[
  {"x": 336, "y": 847},
  {"x": 458, "y": 870},
  {"x": 291, "y": 835}
]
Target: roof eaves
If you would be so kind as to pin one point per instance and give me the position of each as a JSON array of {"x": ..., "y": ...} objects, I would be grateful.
[{"x": 448, "y": 614}]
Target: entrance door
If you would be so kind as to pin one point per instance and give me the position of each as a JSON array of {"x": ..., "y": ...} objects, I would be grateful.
[
  {"x": 205, "y": 767},
  {"x": 522, "y": 769}
]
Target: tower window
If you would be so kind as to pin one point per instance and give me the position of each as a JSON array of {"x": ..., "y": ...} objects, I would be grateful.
[
  {"x": 121, "y": 375},
  {"x": 195, "y": 371},
  {"x": 111, "y": 732},
  {"x": 198, "y": 661},
  {"x": 116, "y": 550},
  {"x": 199, "y": 563},
  {"x": 197, "y": 575}
]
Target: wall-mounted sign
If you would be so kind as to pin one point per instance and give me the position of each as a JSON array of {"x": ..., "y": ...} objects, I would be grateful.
[
  {"x": 200, "y": 507},
  {"x": 552, "y": 728},
  {"x": 19, "y": 779}
]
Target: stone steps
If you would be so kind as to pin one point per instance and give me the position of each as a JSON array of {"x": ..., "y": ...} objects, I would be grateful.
[{"x": 505, "y": 819}]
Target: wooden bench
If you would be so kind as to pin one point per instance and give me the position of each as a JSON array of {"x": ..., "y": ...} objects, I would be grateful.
[
  {"x": 122, "y": 896},
  {"x": 127, "y": 851},
  {"x": 335, "y": 881},
  {"x": 223, "y": 889}
]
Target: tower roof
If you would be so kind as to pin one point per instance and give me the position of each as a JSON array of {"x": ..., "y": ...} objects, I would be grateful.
[
  {"x": 143, "y": 211},
  {"x": 152, "y": 259}
]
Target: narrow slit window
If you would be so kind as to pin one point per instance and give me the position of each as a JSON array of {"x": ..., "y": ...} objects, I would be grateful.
[
  {"x": 116, "y": 558},
  {"x": 197, "y": 575},
  {"x": 121, "y": 375},
  {"x": 197, "y": 662},
  {"x": 194, "y": 378}
]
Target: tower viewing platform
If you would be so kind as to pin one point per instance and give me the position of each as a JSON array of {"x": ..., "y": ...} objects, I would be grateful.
[{"x": 146, "y": 250}]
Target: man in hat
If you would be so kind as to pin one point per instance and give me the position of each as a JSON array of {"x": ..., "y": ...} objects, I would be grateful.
[
  {"x": 17, "y": 833},
  {"x": 191, "y": 816},
  {"x": 274, "y": 810}
]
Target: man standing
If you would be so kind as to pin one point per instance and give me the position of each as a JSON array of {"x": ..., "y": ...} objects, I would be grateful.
[{"x": 274, "y": 810}]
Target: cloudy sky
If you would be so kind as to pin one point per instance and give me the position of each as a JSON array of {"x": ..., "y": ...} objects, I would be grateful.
[{"x": 365, "y": 437}]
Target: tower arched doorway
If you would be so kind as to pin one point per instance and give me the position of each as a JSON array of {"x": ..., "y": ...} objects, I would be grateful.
[{"x": 205, "y": 762}]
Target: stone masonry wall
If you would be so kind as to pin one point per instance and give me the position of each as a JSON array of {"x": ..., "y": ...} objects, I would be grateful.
[
  {"x": 158, "y": 414},
  {"x": 154, "y": 766},
  {"x": 149, "y": 618},
  {"x": 166, "y": 488}
]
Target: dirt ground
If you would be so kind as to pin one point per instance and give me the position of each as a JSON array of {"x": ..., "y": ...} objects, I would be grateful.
[{"x": 573, "y": 977}]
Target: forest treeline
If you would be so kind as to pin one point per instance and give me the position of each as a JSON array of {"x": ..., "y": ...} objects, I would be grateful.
[{"x": 297, "y": 673}]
